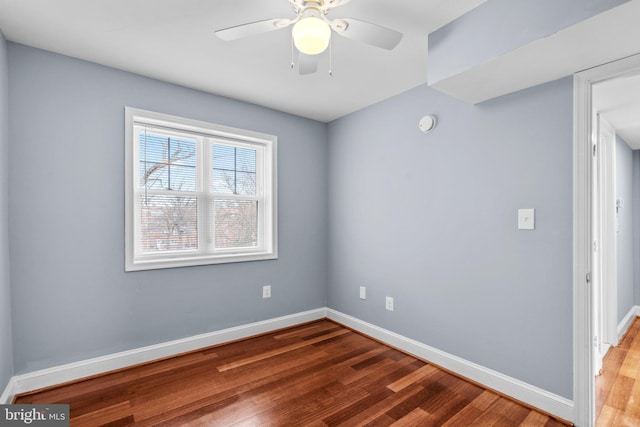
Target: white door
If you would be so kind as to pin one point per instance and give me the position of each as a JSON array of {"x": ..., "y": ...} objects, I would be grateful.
[
  {"x": 596, "y": 224},
  {"x": 604, "y": 245},
  {"x": 608, "y": 248}
]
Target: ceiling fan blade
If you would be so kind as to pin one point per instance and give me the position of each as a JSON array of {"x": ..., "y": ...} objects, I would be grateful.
[
  {"x": 367, "y": 32},
  {"x": 307, "y": 64},
  {"x": 253, "y": 28}
]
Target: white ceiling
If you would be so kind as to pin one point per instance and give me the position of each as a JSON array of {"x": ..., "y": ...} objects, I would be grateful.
[
  {"x": 174, "y": 41},
  {"x": 618, "y": 101}
]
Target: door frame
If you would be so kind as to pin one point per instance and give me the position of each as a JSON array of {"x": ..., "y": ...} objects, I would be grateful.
[{"x": 583, "y": 333}]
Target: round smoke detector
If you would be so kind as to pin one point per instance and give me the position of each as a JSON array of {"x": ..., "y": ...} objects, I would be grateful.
[{"x": 427, "y": 123}]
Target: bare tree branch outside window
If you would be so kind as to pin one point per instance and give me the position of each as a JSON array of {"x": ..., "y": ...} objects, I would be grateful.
[{"x": 169, "y": 221}]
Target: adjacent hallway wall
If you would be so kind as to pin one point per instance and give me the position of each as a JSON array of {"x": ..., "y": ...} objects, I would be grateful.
[
  {"x": 431, "y": 220},
  {"x": 6, "y": 347},
  {"x": 636, "y": 227},
  {"x": 71, "y": 298},
  {"x": 624, "y": 229}
]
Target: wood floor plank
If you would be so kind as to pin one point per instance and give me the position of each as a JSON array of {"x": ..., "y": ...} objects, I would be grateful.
[
  {"x": 382, "y": 377},
  {"x": 417, "y": 375},
  {"x": 105, "y": 415},
  {"x": 633, "y": 407},
  {"x": 382, "y": 421},
  {"x": 606, "y": 416},
  {"x": 618, "y": 385},
  {"x": 485, "y": 400},
  {"x": 468, "y": 390},
  {"x": 448, "y": 410},
  {"x": 611, "y": 366},
  {"x": 629, "y": 367},
  {"x": 378, "y": 409},
  {"x": 405, "y": 407},
  {"x": 621, "y": 392},
  {"x": 310, "y": 330},
  {"x": 533, "y": 419},
  {"x": 502, "y": 413},
  {"x": 317, "y": 374},
  {"x": 467, "y": 416},
  {"x": 356, "y": 407},
  {"x": 277, "y": 351},
  {"x": 417, "y": 417}
]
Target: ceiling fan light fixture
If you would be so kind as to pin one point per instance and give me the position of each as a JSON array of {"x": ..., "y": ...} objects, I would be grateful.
[{"x": 311, "y": 35}]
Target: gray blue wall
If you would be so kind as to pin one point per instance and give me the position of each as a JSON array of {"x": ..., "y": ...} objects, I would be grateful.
[
  {"x": 6, "y": 347},
  {"x": 624, "y": 229},
  {"x": 431, "y": 220},
  {"x": 71, "y": 298}
]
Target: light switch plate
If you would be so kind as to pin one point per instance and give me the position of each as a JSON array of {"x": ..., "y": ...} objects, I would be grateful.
[{"x": 526, "y": 219}]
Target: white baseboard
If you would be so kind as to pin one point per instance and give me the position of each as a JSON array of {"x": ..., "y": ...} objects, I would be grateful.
[
  {"x": 9, "y": 391},
  {"x": 527, "y": 393},
  {"x": 627, "y": 321},
  {"x": 534, "y": 396},
  {"x": 74, "y": 371}
]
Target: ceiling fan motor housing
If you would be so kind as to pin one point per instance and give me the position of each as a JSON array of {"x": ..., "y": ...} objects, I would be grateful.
[
  {"x": 323, "y": 6},
  {"x": 311, "y": 9}
]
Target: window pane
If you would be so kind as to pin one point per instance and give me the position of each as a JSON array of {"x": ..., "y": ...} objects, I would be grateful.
[
  {"x": 236, "y": 223},
  {"x": 168, "y": 223},
  {"x": 167, "y": 162},
  {"x": 234, "y": 170}
]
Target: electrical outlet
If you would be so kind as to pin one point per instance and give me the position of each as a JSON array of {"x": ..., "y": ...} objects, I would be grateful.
[
  {"x": 266, "y": 291},
  {"x": 389, "y": 303},
  {"x": 363, "y": 292}
]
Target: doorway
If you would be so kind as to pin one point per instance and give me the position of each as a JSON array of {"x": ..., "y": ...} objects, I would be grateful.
[{"x": 595, "y": 296}]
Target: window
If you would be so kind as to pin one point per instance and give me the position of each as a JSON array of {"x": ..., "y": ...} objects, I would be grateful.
[{"x": 197, "y": 193}]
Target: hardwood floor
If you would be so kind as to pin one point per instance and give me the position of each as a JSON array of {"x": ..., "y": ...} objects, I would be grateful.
[
  {"x": 618, "y": 387},
  {"x": 318, "y": 374}
]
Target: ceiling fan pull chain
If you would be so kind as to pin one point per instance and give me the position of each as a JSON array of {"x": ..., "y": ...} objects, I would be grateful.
[
  {"x": 330, "y": 59},
  {"x": 292, "y": 64}
]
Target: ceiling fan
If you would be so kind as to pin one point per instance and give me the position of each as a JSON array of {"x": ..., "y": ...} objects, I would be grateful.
[{"x": 311, "y": 32}]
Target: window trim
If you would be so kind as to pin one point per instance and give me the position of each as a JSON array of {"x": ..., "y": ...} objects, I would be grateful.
[{"x": 268, "y": 216}]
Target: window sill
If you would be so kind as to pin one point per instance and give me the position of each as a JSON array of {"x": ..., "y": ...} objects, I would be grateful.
[{"x": 156, "y": 264}]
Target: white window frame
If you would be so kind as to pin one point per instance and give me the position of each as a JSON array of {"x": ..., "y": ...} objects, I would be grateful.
[{"x": 266, "y": 182}]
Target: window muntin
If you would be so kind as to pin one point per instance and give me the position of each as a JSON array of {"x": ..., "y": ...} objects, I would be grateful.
[
  {"x": 234, "y": 170},
  {"x": 197, "y": 193}
]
